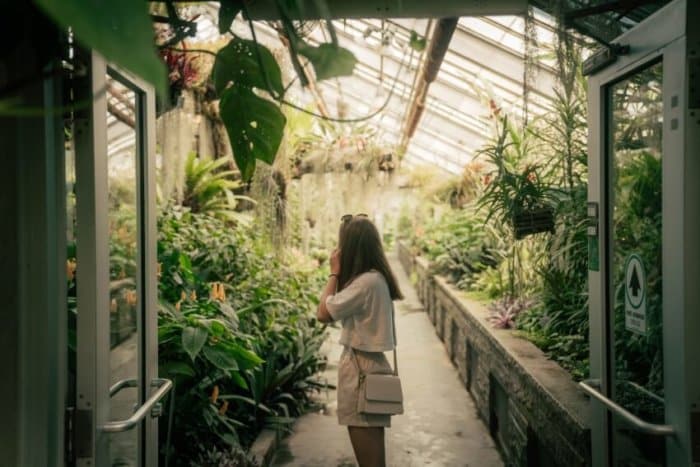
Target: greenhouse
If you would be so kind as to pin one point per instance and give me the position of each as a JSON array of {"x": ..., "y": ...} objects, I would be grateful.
[{"x": 469, "y": 232}]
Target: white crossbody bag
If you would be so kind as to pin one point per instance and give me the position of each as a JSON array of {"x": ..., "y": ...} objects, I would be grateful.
[{"x": 380, "y": 394}]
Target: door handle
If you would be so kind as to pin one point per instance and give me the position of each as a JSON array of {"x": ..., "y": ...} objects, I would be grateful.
[
  {"x": 629, "y": 417},
  {"x": 163, "y": 385},
  {"x": 121, "y": 384}
]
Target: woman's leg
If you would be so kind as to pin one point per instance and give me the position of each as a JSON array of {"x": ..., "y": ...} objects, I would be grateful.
[{"x": 368, "y": 444}]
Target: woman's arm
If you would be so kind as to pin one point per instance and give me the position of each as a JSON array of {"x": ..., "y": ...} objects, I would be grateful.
[{"x": 322, "y": 313}]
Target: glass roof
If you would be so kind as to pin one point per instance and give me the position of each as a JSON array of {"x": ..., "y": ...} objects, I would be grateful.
[{"x": 485, "y": 60}]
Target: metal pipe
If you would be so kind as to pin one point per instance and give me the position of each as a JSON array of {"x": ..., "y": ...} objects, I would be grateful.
[{"x": 439, "y": 44}]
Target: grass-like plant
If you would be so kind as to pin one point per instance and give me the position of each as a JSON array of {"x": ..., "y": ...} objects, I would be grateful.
[{"x": 513, "y": 188}]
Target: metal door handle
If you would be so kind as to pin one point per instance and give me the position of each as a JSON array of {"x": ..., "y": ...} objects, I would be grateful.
[
  {"x": 629, "y": 417},
  {"x": 163, "y": 385},
  {"x": 121, "y": 384}
]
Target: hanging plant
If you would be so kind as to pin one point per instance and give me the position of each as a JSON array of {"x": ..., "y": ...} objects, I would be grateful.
[
  {"x": 247, "y": 77},
  {"x": 515, "y": 196}
]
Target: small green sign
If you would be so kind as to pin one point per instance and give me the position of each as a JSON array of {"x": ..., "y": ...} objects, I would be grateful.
[
  {"x": 593, "y": 254},
  {"x": 635, "y": 295}
]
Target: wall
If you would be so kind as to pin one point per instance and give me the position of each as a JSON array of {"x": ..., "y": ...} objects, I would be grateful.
[
  {"x": 535, "y": 411},
  {"x": 180, "y": 131},
  {"x": 320, "y": 199}
]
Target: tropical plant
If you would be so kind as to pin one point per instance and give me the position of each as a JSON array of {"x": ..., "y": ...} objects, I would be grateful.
[
  {"x": 247, "y": 78},
  {"x": 514, "y": 187},
  {"x": 236, "y": 335},
  {"x": 503, "y": 312},
  {"x": 209, "y": 189}
]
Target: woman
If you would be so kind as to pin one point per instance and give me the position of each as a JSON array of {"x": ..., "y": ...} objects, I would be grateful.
[{"x": 359, "y": 293}]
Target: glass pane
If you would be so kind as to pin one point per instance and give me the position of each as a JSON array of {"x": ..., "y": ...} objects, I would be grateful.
[
  {"x": 71, "y": 262},
  {"x": 123, "y": 265},
  {"x": 635, "y": 149}
]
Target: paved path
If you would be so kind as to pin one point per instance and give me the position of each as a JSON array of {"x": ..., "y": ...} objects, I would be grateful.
[{"x": 440, "y": 426}]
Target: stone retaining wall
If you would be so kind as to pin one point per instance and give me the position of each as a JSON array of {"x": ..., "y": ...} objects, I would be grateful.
[{"x": 534, "y": 410}]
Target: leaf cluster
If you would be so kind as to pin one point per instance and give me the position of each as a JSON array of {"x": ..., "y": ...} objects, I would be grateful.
[
  {"x": 514, "y": 185},
  {"x": 236, "y": 334}
]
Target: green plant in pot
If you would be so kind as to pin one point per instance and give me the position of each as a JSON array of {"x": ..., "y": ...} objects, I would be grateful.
[{"x": 514, "y": 193}]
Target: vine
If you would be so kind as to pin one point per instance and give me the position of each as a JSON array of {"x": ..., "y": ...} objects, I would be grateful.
[{"x": 246, "y": 76}]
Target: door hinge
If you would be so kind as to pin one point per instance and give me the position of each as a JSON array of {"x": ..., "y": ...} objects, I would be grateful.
[{"x": 78, "y": 434}]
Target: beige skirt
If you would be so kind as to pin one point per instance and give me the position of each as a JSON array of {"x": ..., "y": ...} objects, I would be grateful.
[{"x": 348, "y": 387}]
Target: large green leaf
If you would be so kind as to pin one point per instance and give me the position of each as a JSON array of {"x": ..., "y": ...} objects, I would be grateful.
[
  {"x": 239, "y": 380},
  {"x": 228, "y": 9},
  {"x": 246, "y": 359},
  {"x": 328, "y": 60},
  {"x": 119, "y": 30},
  {"x": 220, "y": 357},
  {"x": 238, "y": 63},
  {"x": 173, "y": 368},
  {"x": 255, "y": 127},
  {"x": 193, "y": 338}
]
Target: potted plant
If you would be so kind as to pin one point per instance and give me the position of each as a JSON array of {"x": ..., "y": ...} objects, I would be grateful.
[{"x": 516, "y": 196}]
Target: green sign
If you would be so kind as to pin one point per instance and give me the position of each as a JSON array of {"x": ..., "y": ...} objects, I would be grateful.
[{"x": 635, "y": 295}]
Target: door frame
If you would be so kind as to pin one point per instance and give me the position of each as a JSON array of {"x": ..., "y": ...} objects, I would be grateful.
[
  {"x": 661, "y": 36},
  {"x": 93, "y": 327}
]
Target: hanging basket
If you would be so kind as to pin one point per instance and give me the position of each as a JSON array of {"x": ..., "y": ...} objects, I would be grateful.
[{"x": 533, "y": 221}]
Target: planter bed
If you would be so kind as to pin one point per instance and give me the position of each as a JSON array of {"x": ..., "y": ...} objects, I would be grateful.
[{"x": 535, "y": 411}]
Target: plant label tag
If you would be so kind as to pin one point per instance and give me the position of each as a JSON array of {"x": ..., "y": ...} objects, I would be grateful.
[{"x": 635, "y": 295}]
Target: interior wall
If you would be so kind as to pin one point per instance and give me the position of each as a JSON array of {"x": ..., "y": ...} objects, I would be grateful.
[
  {"x": 323, "y": 198},
  {"x": 180, "y": 131}
]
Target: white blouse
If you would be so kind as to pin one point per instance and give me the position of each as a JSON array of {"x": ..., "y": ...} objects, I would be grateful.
[{"x": 364, "y": 307}]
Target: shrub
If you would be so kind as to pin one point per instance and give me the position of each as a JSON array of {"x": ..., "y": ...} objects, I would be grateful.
[{"x": 236, "y": 335}]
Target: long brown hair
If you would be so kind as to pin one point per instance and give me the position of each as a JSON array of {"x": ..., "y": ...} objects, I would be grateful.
[{"x": 361, "y": 251}]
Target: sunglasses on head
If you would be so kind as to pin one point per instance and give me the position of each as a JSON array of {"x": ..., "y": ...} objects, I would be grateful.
[{"x": 348, "y": 217}]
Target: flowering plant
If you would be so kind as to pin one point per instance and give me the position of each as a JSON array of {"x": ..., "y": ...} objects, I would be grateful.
[{"x": 504, "y": 311}]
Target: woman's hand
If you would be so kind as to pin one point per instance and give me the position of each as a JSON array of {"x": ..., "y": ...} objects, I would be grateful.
[
  {"x": 322, "y": 313},
  {"x": 335, "y": 261}
]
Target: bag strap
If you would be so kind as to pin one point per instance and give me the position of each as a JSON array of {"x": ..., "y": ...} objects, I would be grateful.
[
  {"x": 396, "y": 363},
  {"x": 393, "y": 326}
]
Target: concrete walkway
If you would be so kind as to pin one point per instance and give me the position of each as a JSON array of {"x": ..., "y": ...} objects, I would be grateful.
[{"x": 440, "y": 426}]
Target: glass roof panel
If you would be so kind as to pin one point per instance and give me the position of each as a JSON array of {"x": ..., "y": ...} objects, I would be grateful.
[{"x": 484, "y": 60}]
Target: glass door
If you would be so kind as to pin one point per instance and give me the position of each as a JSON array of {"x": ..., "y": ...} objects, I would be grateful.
[
  {"x": 113, "y": 319},
  {"x": 638, "y": 161},
  {"x": 635, "y": 263}
]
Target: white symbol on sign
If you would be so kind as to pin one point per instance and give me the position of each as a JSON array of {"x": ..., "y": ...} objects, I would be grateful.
[{"x": 635, "y": 295}]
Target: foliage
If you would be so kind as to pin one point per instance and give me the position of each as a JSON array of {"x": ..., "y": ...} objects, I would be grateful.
[
  {"x": 514, "y": 185},
  {"x": 503, "y": 312},
  {"x": 417, "y": 42},
  {"x": 236, "y": 335},
  {"x": 329, "y": 60},
  {"x": 121, "y": 31},
  {"x": 459, "y": 191},
  {"x": 231, "y": 458},
  {"x": 208, "y": 188},
  {"x": 539, "y": 284},
  {"x": 182, "y": 70},
  {"x": 460, "y": 246}
]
